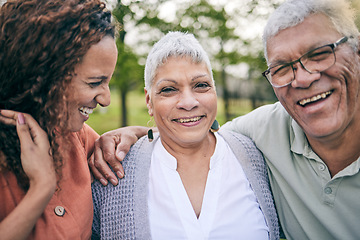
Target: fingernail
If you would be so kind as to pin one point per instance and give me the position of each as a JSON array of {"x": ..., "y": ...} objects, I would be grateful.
[
  {"x": 103, "y": 182},
  {"x": 113, "y": 182},
  {"x": 119, "y": 174},
  {"x": 21, "y": 119},
  {"x": 121, "y": 155}
]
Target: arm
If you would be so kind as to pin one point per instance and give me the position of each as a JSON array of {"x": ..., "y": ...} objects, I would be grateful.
[
  {"x": 111, "y": 149},
  {"x": 38, "y": 166}
]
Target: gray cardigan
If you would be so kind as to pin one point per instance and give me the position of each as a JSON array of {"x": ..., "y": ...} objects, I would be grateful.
[{"x": 121, "y": 212}]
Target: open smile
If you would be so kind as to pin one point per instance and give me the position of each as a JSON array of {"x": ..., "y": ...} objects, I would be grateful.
[
  {"x": 85, "y": 111},
  {"x": 188, "y": 120},
  {"x": 315, "y": 98}
]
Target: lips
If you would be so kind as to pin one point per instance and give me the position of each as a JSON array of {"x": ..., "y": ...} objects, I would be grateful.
[
  {"x": 188, "y": 120},
  {"x": 315, "y": 98}
]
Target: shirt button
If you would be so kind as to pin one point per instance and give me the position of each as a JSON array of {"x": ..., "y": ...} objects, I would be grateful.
[
  {"x": 328, "y": 190},
  {"x": 59, "y": 211},
  {"x": 321, "y": 167}
]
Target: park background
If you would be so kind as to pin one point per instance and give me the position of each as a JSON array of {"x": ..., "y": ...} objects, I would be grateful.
[{"x": 230, "y": 32}]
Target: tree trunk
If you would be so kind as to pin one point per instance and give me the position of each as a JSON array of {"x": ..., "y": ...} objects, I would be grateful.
[
  {"x": 123, "y": 108},
  {"x": 225, "y": 94}
]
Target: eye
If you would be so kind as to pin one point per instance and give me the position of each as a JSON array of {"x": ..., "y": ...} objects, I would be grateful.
[
  {"x": 95, "y": 84},
  {"x": 202, "y": 85},
  {"x": 167, "y": 90},
  {"x": 319, "y": 54},
  {"x": 280, "y": 70}
]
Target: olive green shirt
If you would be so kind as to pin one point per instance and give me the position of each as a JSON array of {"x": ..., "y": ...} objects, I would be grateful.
[{"x": 310, "y": 204}]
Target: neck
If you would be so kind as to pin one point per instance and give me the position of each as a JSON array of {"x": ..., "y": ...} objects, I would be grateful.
[
  {"x": 191, "y": 153},
  {"x": 340, "y": 151}
]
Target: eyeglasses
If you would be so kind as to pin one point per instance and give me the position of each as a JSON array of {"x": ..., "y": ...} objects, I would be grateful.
[{"x": 314, "y": 61}]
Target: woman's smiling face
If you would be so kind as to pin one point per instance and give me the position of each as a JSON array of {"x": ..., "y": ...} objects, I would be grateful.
[
  {"x": 90, "y": 85},
  {"x": 183, "y": 101}
]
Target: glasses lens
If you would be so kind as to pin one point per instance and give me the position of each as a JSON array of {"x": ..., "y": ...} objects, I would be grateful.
[
  {"x": 280, "y": 75},
  {"x": 319, "y": 59}
]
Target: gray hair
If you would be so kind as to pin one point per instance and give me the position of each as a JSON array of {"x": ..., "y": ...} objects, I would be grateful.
[
  {"x": 174, "y": 44},
  {"x": 293, "y": 12}
]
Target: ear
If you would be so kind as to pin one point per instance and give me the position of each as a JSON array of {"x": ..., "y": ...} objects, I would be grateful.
[{"x": 148, "y": 102}]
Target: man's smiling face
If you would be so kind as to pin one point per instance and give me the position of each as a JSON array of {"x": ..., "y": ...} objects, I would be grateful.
[{"x": 326, "y": 103}]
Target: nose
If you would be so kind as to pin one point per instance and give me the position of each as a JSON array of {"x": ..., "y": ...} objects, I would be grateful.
[
  {"x": 303, "y": 78},
  {"x": 103, "y": 98},
  {"x": 187, "y": 100}
]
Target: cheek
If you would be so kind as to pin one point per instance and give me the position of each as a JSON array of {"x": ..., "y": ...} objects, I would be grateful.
[
  {"x": 278, "y": 94},
  {"x": 211, "y": 103},
  {"x": 348, "y": 67},
  {"x": 160, "y": 108}
]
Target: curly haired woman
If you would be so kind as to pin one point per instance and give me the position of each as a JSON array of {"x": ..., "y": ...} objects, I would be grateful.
[{"x": 56, "y": 61}]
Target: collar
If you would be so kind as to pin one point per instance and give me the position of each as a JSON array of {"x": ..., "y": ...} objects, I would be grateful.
[{"x": 170, "y": 161}]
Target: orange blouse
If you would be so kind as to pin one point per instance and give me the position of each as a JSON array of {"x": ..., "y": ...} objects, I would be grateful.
[{"x": 69, "y": 213}]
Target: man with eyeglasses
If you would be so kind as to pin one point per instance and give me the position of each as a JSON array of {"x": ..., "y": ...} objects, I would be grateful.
[{"x": 311, "y": 137}]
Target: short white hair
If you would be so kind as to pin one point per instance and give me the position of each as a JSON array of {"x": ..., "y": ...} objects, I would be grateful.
[
  {"x": 293, "y": 12},
  {"x": 174, "y": 44}
]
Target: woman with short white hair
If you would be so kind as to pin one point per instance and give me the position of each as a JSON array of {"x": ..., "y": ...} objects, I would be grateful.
[{"x": 188, "y": 181}]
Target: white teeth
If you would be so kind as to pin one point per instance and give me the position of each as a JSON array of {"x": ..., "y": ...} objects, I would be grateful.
[
  {"x": 314, "y": 98},
  {"x": 188, "y": 120},
  {"x": 85, "y": 111}
]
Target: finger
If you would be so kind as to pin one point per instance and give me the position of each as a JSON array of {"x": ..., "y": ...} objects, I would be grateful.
[
  {"x": 95, "y": 173},
  {"x": 23, "y": 131},
  {"x": 8, "y": 117},
  {"x": 105, "y": 152},
  {"x": 105, "y": 171},
  {"x": 110, "y": 159},
  {"x": 102, "y": 168},
  {"x": 123, "y": 148},
  {"x": 38, "y": 135}
]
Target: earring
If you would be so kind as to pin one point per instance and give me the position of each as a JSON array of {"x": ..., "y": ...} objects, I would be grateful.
[
  {"x": 150, "y": 135},
  {"x": 150, "y": 131},
  {"x": 215, "y": 126}
]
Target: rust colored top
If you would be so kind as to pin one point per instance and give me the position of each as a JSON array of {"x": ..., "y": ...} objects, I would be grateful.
[{"x": 69, "y": 213}]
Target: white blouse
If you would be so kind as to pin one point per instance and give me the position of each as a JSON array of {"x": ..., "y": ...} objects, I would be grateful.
[{"x": 229, "y": 210}]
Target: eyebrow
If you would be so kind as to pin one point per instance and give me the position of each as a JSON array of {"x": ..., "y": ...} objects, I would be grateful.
[
  {"x": 310, "y": 48},
  {"x": 165, "y": 80},
  {"x": 199, "y": 76},
  {"x": 175, "y": 82}
]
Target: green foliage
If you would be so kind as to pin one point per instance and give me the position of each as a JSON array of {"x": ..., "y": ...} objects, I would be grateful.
[
  {"x": 216, "y": 26},
  {"x": 213, "y": 25},
  {"x": 128, "y": 73},
  {"x": 356, "y": 6}
]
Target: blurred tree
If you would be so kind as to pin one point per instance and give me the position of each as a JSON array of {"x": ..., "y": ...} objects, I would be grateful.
[
  {"x": 128, "y": 73},
  {"x": 127, "y": 76},
  {"x": 356, "y": 6},
  {"x": 215, "y": 25}
]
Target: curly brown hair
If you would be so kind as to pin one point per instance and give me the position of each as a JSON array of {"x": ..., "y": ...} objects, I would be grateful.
[{"x": 41, "y": 41}]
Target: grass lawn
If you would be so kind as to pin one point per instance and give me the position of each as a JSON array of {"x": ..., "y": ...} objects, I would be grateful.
[{"x": 105, "y": 119}]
